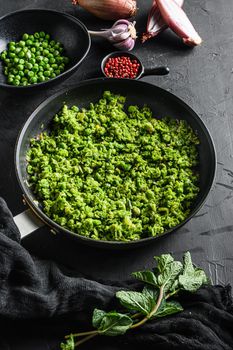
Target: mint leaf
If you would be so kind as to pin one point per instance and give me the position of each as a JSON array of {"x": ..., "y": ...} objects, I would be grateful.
[
  {"x": 168, "y": 308},
  {"x": 192, "y": 282},
  {"x": 111, "y": 323},
  {"x": 175, "y": 287},
  {"x": 69, "y": 344},
  {"x": 150, "y": 293},
  {"x": 143, "y": 302},
  {"x": 163, "y": 261},
  {"x": 188, "y": 264},
  {"x": 169, "y": 271},
  {"x": 146, "y": 277},
  {"x": 135, "y": 301},
  {"x": 192, "y": 278},
  {"x": 97, "y": 317}
]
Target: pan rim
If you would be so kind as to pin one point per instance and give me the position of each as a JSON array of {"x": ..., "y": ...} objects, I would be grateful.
[
  {"x": 66, "y": 72},
  {"x": 91, "y": 241}
]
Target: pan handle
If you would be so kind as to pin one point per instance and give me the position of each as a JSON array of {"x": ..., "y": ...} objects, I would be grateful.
[
  {"x": 27, "y": 222},
  {"x": 163, "y": 70}
]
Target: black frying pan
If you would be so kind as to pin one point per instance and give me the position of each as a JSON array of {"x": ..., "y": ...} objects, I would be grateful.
[{"x": 160, "y": 101}]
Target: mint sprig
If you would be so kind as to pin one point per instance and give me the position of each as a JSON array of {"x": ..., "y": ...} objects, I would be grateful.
[{"x": 162, "y": 283}]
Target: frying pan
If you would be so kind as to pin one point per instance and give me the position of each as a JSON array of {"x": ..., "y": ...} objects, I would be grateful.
[{"x": 161, "y": 102}]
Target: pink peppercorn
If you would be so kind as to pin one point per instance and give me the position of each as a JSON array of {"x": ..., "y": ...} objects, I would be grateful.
[{"x": 122, "y": 67}]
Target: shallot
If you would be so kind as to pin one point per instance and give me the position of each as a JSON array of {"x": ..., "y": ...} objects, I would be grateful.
[
  {"x": 155, "y": 22},
  {"x": 178, "y": 21},
  {"x": 109, "y": 9},
  {"x": 122, "y": 34}
]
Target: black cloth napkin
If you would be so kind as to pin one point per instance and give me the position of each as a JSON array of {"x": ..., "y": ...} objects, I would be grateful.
[{"x": 41, "y": 301}]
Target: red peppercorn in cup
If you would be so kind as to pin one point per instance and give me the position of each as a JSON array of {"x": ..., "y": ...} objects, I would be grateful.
[{"x": 122, "y": 67}]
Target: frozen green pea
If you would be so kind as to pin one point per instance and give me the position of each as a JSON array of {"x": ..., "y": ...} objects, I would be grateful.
[
  {"x": 52, "y": 60},
  {"x": 20, "y": 67},
  {"x": 35, "y": 67},
  {"x": 41, "y": 78},
  {"x": 12, "y": 54},
  {"x": 46, "y": 73},
  {"x": 29, "y": 42},
  {"x": 22, "y": 43},
  {"x": 45, "y": 44},
  {"x": 21, "y": 54},
  {"x": 16, "y": 82},
  {"x": 28, "y": 54},
  {"x": 33, "y": 80},
  {"x": 25, "y": 36},
  {"x": 45, "y": 52},
  {"x": 10, "y": 79},
  {"x": 28, "y": 65}
]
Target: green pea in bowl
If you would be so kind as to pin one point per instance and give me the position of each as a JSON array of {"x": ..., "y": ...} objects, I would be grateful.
[{"x": 40, "y": 48}]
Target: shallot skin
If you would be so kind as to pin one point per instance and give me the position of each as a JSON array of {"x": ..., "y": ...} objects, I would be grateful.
[
  {"x": 109, "y": 9},
  {"x": 178, "y": 21}
]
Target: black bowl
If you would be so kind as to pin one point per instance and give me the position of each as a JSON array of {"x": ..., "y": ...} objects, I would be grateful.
[{"x": 62, "y": 27}]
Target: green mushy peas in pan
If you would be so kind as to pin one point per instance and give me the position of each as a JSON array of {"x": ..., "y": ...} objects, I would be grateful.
[{"x": 113, "y": 174}]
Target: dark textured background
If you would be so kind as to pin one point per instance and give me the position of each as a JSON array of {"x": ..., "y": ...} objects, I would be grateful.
[{"x": 202, "y": 77}]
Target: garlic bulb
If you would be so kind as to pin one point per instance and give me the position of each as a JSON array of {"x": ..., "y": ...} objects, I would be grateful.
[{"x": 122, "y": 34}]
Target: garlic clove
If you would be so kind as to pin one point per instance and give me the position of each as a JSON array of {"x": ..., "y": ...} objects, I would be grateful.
[
  {"x": 119, "y": 37},
  {"x": 119, "y": 33},
  {"x": 127, "y": 44},
  {"x": 121, "y": 21}
]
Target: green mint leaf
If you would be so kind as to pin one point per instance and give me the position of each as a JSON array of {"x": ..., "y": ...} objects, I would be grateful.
[
  {"x": 188, "y": 265},
  {"x": 175, "y": 287},
  {"x": 143, "y": 302},
  {"x": 168, "y": 308},
  {"x": 97, "y": 317},
  {"x": 163, "y": 261},
  {"x": 192, "y": 278},
  {"x": 135, "y": 301},
  {"x": 151, "y": 293},
  {"x": 169, "y": 273},
  {"x": 69, "y": 345},
  {"x": 146, "y": 277},
  {"x": 111, "y": 323},
  {"x": 192, "y": 282}
]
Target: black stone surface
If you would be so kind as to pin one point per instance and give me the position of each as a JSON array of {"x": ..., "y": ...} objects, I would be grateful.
[{"x": 202, "y": 77}]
